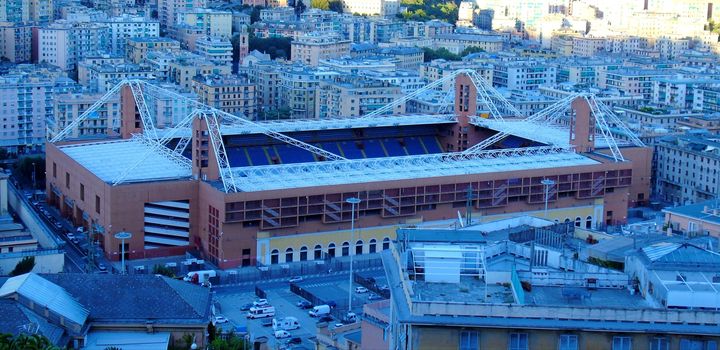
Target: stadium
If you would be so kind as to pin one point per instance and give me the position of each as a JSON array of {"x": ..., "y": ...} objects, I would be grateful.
[{"x": 246, "y": 193}]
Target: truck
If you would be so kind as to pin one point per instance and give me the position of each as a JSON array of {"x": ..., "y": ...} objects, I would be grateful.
[
  {"x": 199, "y": 277},
  {"x": 320, "y": 310},
  {"x": 261, "y": 312},
  {"x": 285, "y": 324}
]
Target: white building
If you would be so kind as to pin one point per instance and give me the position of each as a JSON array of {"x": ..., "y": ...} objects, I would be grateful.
[
  {"x": 215, "y": 49},
  {"x": 385, "y": 8},
  {"x": 65, "y": 43},
  {"x": 212, "y": 22},
  {"x": 26, "y": 103},
  {"x": 523, "y": 75},
  {"x": 126, "y": 26}
]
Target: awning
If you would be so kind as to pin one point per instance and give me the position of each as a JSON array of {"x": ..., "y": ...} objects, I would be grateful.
[{"x": 127, "y": 340}]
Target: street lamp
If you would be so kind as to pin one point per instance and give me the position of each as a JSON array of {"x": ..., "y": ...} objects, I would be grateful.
[
  {"x": 33, "y": 177},
  {"x": 353, "y": 201},
  {"x": 122, "y": 236},
  {"x": 547, "y": 183}
]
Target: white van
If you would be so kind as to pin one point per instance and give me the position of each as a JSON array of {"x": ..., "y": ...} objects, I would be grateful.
[
  {"x": 260, "y": 312},
  {"x": 202, "y": 276},
  {"x": 320, "y": 310},
  {"x": 285, "y": 324}
]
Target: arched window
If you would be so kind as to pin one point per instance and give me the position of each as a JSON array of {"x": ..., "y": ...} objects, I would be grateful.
[
  {"x": 275, "y": 256},
  {"x": 358, "y": 247},
  {"x": 345, "y": 249},
  {"x": 303, "y": 253},
  {"x": 288, "y": 255},
  {"x": 386, "y": 243},
  {"x": 588, "y": 222},
  {"x": 331, "y": 250},
  {"x": 373, "y": 246},
  {"x": 318, "y": 252},
  {"x": 578, "y": 221},
  {"x": 557, "y": 221}
]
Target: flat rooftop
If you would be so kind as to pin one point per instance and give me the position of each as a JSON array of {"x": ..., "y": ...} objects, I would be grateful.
[
  {"x": 110, "y": 159},
  {"x": 469, "y": 290},
  {"x": 581, "y": 296}
]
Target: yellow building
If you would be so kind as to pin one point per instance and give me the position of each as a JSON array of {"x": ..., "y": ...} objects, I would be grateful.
[{"x": 311, "y": 48}]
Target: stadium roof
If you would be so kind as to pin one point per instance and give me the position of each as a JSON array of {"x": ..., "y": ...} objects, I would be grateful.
[
  {"x": 298, "y": 175},
  {"x": 110, "y": 159}
]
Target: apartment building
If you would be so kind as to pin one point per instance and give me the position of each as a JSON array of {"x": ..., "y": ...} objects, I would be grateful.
[
  {"x": 680, "y": 92},
  {"x": 217, "y": 49},
  {"x": 633, "y": 80},
  {"x": 582, "y": 71},
  {"x": 310, "y": 49},
  {"x": 15, "y": 11},
  {"x": 656, "y": 115},
  {"x": 278, "y": 14},
  {"x": 168, "y": 10},
  {"x": 16, "y": 42},
  {"x": 69, "y": 106},
  {"x": 706, "y": 99},
  {"x": 229, "y": 94},
  {"x": 101, "y": 74},
  {"x": 212, "y": 22},
  {"x": 351, "y": 96},
  {"x": 297, "y": 89},
  {"x": 671, "y": 48},
  {"x": 267, "y": 85},
  {"x": 587, "y": 46},
  {"x": 523, "y": 75},
  {"x": 408, "y": 80},
  {"x": 687, "y": 168},
  {"x": 410, "y": 58},
  {"x": 26, "y": 103},
  {"x": 183, "y": 68},
  {"x": 385, "y": 8},
  {"x": 138, "y": 48},
  {"x": 127, "y": 26},
  {"x": 355, "y": 65},
  {"x": 697, "y": 219},
  {"x": 456, "y": 43},
  {"x": 438, "y": 69},
  {"x": 65, "y": 43}
]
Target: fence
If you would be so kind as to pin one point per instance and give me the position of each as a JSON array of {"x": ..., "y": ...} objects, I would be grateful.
[{"x": 371, "y": 284}]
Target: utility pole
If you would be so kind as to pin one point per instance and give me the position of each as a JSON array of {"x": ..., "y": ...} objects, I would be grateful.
[
  {"x": 468, "y": 206},
  {"x": 90, "y": 252}
]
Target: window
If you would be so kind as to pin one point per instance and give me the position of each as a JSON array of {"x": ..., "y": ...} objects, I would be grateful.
[
  {"x": 303, "y": 253},
  {"x": 331, "y": 250},
  {"x": 386, "y": 243},
  {"x": 97, "y": 204},
  {"x": 275, "y": 256},
  {"x": 568, "y": 342},
  {"x": 658, "y": 343},
  {"x": 67, "y": 180},
  {"x": 518, "y": 341},
  {"x": 345, "y": 249},
  {"x": 318, "y": 252},
  {"x": 697, "y": 344},
  {"x": 578, "y": 221},
  {"x": 54, "y": 170},
  {"x": 469, "y": 340},
  {"x": 82, "y": 192},
  {"x": 372, "y": 246},
  {"x": 358, "y": 247},
  {"x": 622, "y": 343},
  {"x": 588, "y": 222},
  {"x": 288, "y": 255}
]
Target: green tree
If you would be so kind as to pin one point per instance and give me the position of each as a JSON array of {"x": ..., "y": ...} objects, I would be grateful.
[
  {"x": 255, "y": 14},
  {"x": 23, "y": 266},
  {"x": 23, "y": 170},
  {"x": 336, "y": 5},
  {"x": 163, "y": 270},
  {"x": 320, "y": 4},
  {"x": 471, "y": 49},
  {"x": 441, "y": 53},
  {"x": 229, "y": 342},
  {"x": 299, "y": 7},
  {"x": 274, "y": 46},
  {"x": 26, "y": 342}
]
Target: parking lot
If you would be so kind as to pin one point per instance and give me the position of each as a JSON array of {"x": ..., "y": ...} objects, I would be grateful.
[{"x": 285, "y": 303}]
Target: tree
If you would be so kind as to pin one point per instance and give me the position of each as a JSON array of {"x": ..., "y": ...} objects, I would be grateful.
[
  {"x": 255, "y": 14},
  {"x": 336, "y": 5},
  {"x": 23, "y": 170},
  {"x": 26, "y": 342},
  {"x": 163, "y": 270},
  {"x": 471, "y": 49},
  {"x": 299, "y": 7},
  {"x": 23, "y": 266},
  {"x": 231, "y": 342},
  {"x": 320, "y": 4},
  {"x": 274, "y": 46},
  {"x": 441, "y": 53}
]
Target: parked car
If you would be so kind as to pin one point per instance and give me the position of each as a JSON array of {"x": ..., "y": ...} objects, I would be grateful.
[
  {"x": 384, "y": 287},
  {"x": 70, "y": 235},
  {"x": 361, "y": 290},
  {"x": 260, "y": 302},
  {"x": 304, "y": 304},
  {"x": 282, "y": 334},
  {"x": 246, "y": 307},
  {"x": 102, "y": 268},
  {"x": 75, "y": 240},
  {"x": 326, "y": 318},
  {"x": 295, "y": 340},
  {"x": 295, "y": 279},
  {"x": 374, "y": 296},
  {"x": 220, "y": 319},
  {"x": 266, "y": 322},
  {"x": 331, "y": 304}
]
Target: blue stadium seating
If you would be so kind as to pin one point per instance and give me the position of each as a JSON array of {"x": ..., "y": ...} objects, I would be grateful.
[
  {"x": 350, "y": 150},
  {"x": 381, "y": 132},
  {"x": 431, "y": 144},
  {"x": 331, "y": 147},
  {"x": 236, "y": 157},
  {"x": 393, "y": 148},
  {"x": 373, "y": 149},
  {"x": 292, "y": 154},
  {"x": 413, "y": 146},
  {"x": 512, "y": 142},
  {"x": 258, "y": 156}
]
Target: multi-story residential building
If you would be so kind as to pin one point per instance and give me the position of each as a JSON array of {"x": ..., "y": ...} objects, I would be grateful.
[
  {"x": 310, "y": 49},
  {"x": 100, "y": 74},
  {"x": 706, "y": 99},
  {"x": 41, "y": 11},
  {"x": 277, "y": 14},
  {"x": 168, "y": 9},
  {"x": 15, "y": 11},
  {"x": 632, "y": 80},
  {"x": 407, "y": 80},
  {"x": 240, "y": 20},
  {"x": 671, "y": 48},
  {"x": 138, "y": 48},
  {"x": 69, "y": 106},
  {"x": 16, "y": 42},
  {"x": 523, "y": 75},
  {"x": 183, "y": 68},
  {"x": 687, "y": 168},
  {"x": 229, "y": 94},
  {"x": 456, "y": 43},
  {"x": 705, "y": 122},
  {"x": 484, "y": 287},
  {"x": 77, "y": 13},
  {"x": 356, "y": 65},
  {"x": 587, "y": 46},
  {"x": 322, "y": 20},
  {"x": 297, "y": 89},
  {"x": 438, "y": 69},
  {"x": 410, "y": 58},
  {"x": 386, "y": 8},
  {"x": 266, "y": 75},
  {"x": 350, "y": 96},
  {"x": 212, "y": 22},
  {"x": 582, "y": 71},
  {"x": 65, "y": 43},
  {"x": 697, "y": 219},
  {"x": 217, "y": 49},
  {"x": 26, "y": 104},
  {"x": 680, "y": 92},
  {"x": 656, "y": 115},
  {"x": 127, "y": 26},
  {"x": 610, "y": 97},
  {"x": 188, "y": 35}
]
